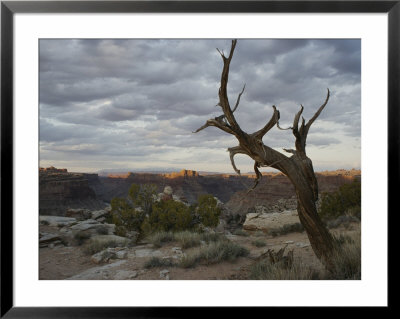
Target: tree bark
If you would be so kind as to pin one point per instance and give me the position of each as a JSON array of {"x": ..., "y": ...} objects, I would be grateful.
[{"x": 298, "y": 167}]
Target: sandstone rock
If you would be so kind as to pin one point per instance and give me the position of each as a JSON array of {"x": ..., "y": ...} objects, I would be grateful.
[
  {"x": 48, "y": 238},
  {"x": 97, "y": 214},
  {"x": 222, "y": 225},
  {"x": 168, "y": 190},
  {"x": 302, "y": 245},
  {"x": 132, "y": 235},
  {"x": 164, "y": 274},
  {"x": 147, "y": 253},
  {"x": 97, "y": 273},
  {"x": 108, "y": 254},
  {"x": 57, "y": 221},
  {"x": 125, "y": 274},
  {"x": 265, "y": 222},
  {"x": 78, "y": 213},
  {"x": 93, "y": 227}
]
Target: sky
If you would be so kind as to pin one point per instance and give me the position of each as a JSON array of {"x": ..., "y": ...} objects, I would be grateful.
[{"x": 133, "y": 104}]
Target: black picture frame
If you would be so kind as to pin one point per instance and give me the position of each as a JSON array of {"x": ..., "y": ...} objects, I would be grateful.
[{"x": 9, "y": 8}]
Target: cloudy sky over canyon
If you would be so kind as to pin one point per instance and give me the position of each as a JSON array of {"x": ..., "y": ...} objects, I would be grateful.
[{"x": 134, "y": 103}]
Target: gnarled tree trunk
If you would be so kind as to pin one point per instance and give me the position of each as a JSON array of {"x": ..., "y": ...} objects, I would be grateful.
[{"x": 298, "y": 167}]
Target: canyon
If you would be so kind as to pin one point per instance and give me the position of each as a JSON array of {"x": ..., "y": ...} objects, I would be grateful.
[{"x": 60, "y": 190}]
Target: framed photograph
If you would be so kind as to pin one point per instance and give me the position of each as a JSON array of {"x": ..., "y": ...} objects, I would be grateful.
[{"x": 118, "y": 195}]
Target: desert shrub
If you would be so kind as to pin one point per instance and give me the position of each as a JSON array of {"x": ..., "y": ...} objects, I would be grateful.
[
  {"x": 214, "y": 253},
  {"x": 168, "y": 216},
  {"x": 259, "y": 233},
  {"x": 259, "y": 243},
  {"x": 346, "y": 199},
  {"x": 96, "y": 246},
  {"x": 102, "y": 230},
  {"x": 188, "y": 239},
  {"x": 212, "y": 237},
  {"x": 158, "y": 262},
  {"x": 266, "y": 270},
  {"x": 347, "y": 258},
  {"x": 159, "y": 238},
  {"x": 286, "y": 229},
  {"x": 240, "y": 232},
  {"x": 80, "y": 237},
  {"x": 344, "y": 220},
  {"x": 208, "y": 210},
  {"x": 130, "y": 212},
  {"x": 120, "y": 231}
]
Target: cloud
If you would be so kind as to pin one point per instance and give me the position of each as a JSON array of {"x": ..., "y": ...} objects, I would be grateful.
[{"x": 102, "y": 101}]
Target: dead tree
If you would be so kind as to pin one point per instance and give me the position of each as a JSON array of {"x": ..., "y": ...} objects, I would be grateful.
[{"x": 298, "y": 167}]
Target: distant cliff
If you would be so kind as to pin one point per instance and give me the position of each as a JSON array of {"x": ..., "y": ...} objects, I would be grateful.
[
  {"x": 273, "y": 187},
  {"x": 186, "y": 183},
  {"x": 60, "y": 190}
]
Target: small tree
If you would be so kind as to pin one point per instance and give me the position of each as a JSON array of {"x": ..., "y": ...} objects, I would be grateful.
[
  {"x": 129, "y": 213},
  {"x": 168, "y": 215},
  {"x": 208, "y": 210},
  {"x": 346, "y": 198}
]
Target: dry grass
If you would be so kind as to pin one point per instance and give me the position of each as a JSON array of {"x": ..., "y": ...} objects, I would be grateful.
[
  {"x": 186, "y": 239},
  {"x": 347, "y": 258},
  {"x": 213, "y": 253},
  {"x": 265, "y": 270}
]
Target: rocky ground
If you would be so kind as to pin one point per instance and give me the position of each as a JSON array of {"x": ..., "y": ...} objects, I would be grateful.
[{"x": 63, "y": 253}]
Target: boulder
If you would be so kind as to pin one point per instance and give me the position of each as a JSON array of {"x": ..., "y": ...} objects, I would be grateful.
[
  {"x": 125, "y": 274},
  {"x": 47, "y": 239},
  {"x": 164, "y": 274},
  {"x": 93, "y": 227},
  {"x": 268, "y": 221},
  {"x": 147, "y": 253},
  {"x": 108, "y": 254},
  {"x": 97, "y": 214},
  {"x": 57, "y": 221},
  {"x": 79, "y": 213}
]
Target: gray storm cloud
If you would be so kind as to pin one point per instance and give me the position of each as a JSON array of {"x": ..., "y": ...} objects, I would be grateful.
[{"x": 134, "y": 103}]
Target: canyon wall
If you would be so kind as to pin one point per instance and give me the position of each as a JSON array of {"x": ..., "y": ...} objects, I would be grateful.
[{"x": 60, "y": 190}]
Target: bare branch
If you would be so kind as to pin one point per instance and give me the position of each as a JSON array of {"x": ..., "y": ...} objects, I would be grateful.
[
  {"x": 258, "y": 176},
  {"x": 217, "y": 122},
  {"x": 232, "y": 152},
  {"x": 274, "y": 119},
  {"x": 311, "y": 121},
  {"x": 238, "y": 99},
  {"x": 223, "y": 95},
  {"x": 296, "y": 121}
]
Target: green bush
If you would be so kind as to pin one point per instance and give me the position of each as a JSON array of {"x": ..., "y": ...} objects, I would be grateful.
[
  {"x": 168, "y": 216},
  {"x": 208, "y": 210},
  {"x": 347, "y": 199},
  {"x": 140, "y": 212},
  {"x": 129, "y": 213}
]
